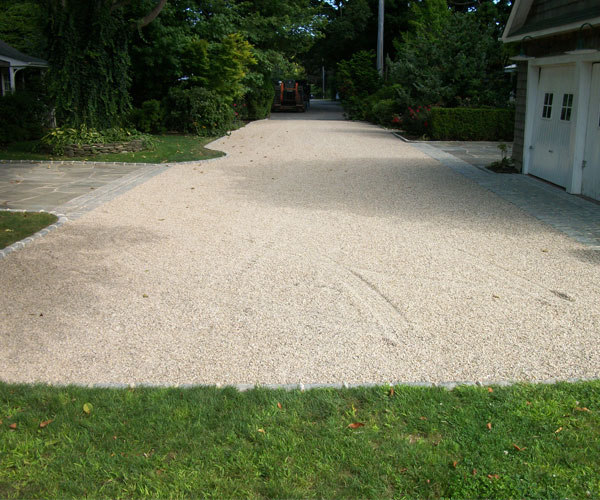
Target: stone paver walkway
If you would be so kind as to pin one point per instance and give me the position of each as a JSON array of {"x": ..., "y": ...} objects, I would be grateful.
[
  {"x": 70, "y": 188},
  {"x": 572, "y": 215}
]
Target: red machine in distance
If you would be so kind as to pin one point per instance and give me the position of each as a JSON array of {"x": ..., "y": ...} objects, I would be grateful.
[{"x": 291, "y": 95}]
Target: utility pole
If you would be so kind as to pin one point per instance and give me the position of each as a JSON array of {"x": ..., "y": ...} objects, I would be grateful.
[
  {"x": 323, "y": 70},
  {"x": 380, "y": 38}
]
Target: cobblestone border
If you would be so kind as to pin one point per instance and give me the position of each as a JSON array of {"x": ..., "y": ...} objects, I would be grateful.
[
  {"x": 42, "y": 232},
  {"x": 336, "y": 385}
]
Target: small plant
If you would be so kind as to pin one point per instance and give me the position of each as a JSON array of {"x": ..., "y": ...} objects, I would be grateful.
[
  {"x": 505, "y": 165},
  {"x": 59, "y": 138}
]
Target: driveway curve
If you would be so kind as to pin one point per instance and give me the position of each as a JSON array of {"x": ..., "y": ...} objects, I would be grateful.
[{"x": 318, "y": 251}]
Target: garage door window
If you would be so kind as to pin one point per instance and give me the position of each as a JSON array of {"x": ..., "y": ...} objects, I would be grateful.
[
  {"x": 567, "y": 106},
  {"x": 547, "y": 110}
]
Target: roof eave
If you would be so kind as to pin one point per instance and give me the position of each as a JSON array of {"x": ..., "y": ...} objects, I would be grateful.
[{"x": 556, "y": 30}]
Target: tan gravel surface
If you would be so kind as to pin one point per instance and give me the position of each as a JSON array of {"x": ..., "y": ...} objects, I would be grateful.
[{"x": 316, "y": 251}]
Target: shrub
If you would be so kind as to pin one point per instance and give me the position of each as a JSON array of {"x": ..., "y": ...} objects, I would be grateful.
[
  {"x": 417, "y": 120},
  {"x": 471, "y": 124},
  {"x": 149, "y": 118},
  {"x": 258, "y": 101},
  {"x": 198, "y": 111},
  {"x": 59, "y": 138},
  {"x": 358, "y": 76},
  {"x": 23, "y": 115}
]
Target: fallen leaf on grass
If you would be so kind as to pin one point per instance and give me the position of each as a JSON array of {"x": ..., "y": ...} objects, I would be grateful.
[
  {"x": 493, "y": 476},
  {"x": 422, "y": 418},
  {"x": 454, "y": 464},
  {"x": 391, "y": 392},
  {"x": 87, "y": 408},
  {"x": 577, "y": 408},
  {"x": 45, "y": 423},
  {"x": 490, "y": 389},
  {"x": 279, "y": 405},
  {"x": 356, "y": 425},
  {"x": 474, "y": 472},
  {"x": 518, "y": 448},
  {"x": 558, "y": 430},
  {"x": 13, "y": 426},
  {"x": 262, "y": 431},
  {"x": 489, "y": 426}
]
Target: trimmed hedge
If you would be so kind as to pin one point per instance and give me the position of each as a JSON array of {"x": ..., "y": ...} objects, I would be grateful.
[{"x": 471, "y": 124}]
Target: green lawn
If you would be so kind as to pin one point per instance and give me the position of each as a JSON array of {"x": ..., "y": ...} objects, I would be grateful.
[
  {"x": 535, "y": 441},
  {"x": 14, "y": 226},
  {"x": 169, "y": 148}
]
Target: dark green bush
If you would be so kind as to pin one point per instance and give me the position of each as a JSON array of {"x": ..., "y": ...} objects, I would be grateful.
[
  {"x": 258, "y": 101},
  {"x": 471, "y": 124},
  {"x": 198, "y": 110},
  {"x": 149, "y": 118},
  {"x": 22, "y": 115}
]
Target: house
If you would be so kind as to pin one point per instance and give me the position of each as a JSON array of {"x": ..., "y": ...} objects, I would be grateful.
[
  {"x": 557, "y": 123},
  {"x": 12, "y": 62}
]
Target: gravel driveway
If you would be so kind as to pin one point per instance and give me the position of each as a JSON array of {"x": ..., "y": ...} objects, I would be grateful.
[{"x": 317, "y": 251}]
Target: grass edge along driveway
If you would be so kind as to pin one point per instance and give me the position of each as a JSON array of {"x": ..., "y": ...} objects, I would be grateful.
[
  {"x": 538, "y": 441},
  {"x": 16, "y": 226},
  {"x": 167, "y": 148}
]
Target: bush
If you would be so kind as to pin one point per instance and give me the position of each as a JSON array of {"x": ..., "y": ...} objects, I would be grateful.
[
  {"x": 59, "y": 138},
  {"x": 471, "y": 124},
  {"x": 199, "y": 111},
  {"x": 416, "y": 121},
  {"x": 149, "y": 118},
  {"x": 358, "y": 76},
  {"x": 258, "y": 101},
  {"x": 23, "y": 115}
]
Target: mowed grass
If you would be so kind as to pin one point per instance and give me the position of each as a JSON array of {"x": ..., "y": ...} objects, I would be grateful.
[
  {"x": 168, "y": 148},
  {"x": 14, "y": 226},
  {"x": 523, "y": 441}
]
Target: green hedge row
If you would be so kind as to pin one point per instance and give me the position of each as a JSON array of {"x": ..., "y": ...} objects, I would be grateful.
[{"x": 471, "y": 124}]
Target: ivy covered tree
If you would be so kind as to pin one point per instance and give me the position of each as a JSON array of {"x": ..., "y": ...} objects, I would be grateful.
[{"x": 89, "y": 58}]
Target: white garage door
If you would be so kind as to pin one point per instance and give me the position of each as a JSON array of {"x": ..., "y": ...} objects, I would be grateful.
[
  {"x": 591, "y": 171},
  {"x": 554, "y": 114}
]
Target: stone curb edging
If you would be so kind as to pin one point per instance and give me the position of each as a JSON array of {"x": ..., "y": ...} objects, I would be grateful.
[
  {"x": 339, "y": 386},
  {"x": 62, "y": 219}
]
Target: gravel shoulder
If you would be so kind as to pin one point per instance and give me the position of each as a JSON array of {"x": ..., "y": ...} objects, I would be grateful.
[{"x": 317, "y": 251}]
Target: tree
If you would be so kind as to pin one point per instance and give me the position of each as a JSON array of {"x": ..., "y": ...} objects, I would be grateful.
[
  {"x": 461, "y": 64},
  {"x": 89, "y": 59}
]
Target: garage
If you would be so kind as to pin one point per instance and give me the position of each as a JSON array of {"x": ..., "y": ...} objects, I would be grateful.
[{"x": 554, "y": 113}]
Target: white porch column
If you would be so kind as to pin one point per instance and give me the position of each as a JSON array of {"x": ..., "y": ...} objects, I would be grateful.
[
  {"x": 583, "y": 81},
  {"x": 11, "y": 75},
  {"x": 533, "y": 80}
]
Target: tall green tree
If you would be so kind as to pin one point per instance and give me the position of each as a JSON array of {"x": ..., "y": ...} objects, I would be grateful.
[{"x": 89, "y": 58}]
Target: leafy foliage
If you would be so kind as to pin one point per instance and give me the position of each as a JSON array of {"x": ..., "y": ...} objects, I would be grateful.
[
  {"x": 357, "y": 78},
  {"x": 21, "y": 26},
  {"x": 89, "y": 58},
  {"x": 57, "y": 139},
  {"x": 451, "y": 60},
  {"x": 23, "y": 114},
  {"x": 469, "y": 124},
  {"x": 198, "y": 110},
  {"x": 149, "y": 118}
]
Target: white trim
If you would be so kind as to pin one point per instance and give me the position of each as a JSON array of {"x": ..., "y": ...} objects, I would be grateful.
[
  {"x": 583, "y": 82},
  {"x": 564, "y": 28},
  {"x": 518, "y": 15},
  {"x": 533, "y": 80}
]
